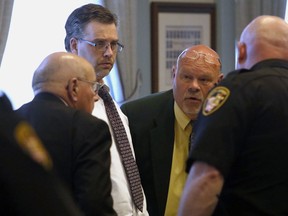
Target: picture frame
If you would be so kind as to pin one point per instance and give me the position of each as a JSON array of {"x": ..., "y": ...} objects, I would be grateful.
[{"x": 174, "y": 27}]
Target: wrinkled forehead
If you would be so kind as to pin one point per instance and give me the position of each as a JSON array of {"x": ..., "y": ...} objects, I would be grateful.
[{"x": 192, "y": 66}]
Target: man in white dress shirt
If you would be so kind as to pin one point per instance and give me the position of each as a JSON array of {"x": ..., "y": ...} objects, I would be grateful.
[{"x": 91, "y": 32}]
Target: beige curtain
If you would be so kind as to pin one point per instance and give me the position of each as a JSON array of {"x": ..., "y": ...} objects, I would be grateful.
[
  {"x": 6, "y": 7},
  {"x": 127, "y": 60},
  {"x": 247, "y": 10}
]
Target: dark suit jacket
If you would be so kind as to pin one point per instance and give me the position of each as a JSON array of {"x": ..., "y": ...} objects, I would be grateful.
[
  {"x": 151, "y": 121},
  {"x": 26, "y": 188},
  {"x": 79, "y": 144}
]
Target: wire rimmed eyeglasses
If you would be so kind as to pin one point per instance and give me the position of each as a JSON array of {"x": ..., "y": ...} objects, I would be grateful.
[
  {"x": 95, "y": 85},
  {"x": 102, "y": 45}
]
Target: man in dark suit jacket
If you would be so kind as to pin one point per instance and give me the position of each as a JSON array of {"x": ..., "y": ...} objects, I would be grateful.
[
  {"x": 27, "y": 187},
  {"x": 65, "y": 90},
  {"x": 152, "y": 121}
]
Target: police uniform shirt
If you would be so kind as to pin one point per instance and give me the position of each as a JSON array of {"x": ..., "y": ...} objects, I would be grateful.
[
  {"x": 27, "y": 185},
  {"x": 242, "y": 131}
]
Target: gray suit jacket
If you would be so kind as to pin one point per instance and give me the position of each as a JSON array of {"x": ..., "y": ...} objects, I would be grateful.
[{"x": 151, "y": 121}]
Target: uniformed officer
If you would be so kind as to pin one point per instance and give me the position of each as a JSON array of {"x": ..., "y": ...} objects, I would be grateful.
[
  {"x": 239, "y": 150},
  {"x": 27, "y": 185}
]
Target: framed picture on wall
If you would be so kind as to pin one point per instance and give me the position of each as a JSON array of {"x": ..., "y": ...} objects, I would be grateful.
[{"x": 174, "y": 27}]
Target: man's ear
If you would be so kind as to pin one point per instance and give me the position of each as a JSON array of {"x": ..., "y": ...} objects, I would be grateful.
[
  {"x": 220, "y": 77},
  {"x": 74, "y": 46},
  {"x": 242, "y": 54},
  {"x": 72, "y": 89},
  {"x": 173, "y": 71}
]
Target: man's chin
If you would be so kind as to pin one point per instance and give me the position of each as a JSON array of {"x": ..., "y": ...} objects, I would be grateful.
[
  {"x": 103, "y": 73},
  {"x": 192, "y": 111}
]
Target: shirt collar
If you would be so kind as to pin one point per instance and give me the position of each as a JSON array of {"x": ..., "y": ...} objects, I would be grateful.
[
  {"x": 63, "y": 101},
  {"x": 182, "y": 119}
]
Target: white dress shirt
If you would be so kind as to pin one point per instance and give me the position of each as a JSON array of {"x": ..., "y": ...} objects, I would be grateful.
[{"x": 122, "y": 199}]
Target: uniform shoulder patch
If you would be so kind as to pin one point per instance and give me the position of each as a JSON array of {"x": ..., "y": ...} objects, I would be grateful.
[
  {"x": 215, "y": 99},
  {"x": 28, "y": 140}
]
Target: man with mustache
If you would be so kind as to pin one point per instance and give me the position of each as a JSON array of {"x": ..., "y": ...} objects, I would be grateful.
[{"x": 160, "y": 126}]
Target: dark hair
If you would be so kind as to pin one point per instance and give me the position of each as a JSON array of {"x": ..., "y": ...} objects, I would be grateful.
[{"x": 81, "y": 16}]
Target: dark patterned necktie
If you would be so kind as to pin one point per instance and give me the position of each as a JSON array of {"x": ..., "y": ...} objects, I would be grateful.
[
  {"x": 124, "y": 148},
  {"x": 191, "y": 136}
]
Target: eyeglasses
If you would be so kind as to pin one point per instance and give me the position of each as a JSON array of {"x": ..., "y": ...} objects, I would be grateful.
[
  {"x": 102, "y": 45},
  {"x": 95, "y": 85},
  {"x": 207, "y": 58}
]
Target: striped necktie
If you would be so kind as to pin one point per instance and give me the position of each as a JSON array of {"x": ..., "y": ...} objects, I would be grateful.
[{"x": 124, "y": 148}]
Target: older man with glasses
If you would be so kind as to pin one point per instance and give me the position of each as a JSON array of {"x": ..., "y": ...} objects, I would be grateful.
[
  {"x": 161, "y": 124},
  {"x": 65, "y": 89}
]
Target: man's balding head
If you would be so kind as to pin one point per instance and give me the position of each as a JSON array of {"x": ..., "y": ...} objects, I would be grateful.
[
  {"x": 56, "y": 69},
  {"x": 192, "y": 54},
  {"x": 266, "y": 37},
  {"x": 65, "y": 74}
]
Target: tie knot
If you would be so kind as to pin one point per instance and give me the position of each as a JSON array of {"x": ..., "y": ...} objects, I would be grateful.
[{"x": 103, "y": 92}]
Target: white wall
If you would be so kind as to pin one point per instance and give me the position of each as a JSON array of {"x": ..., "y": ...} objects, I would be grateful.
[{"x": 36, "y": 30}]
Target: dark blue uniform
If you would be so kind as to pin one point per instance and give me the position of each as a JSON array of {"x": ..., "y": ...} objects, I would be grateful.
[
  {"x": 27, "y": 187},
  {"x": 243, "y": 132}
]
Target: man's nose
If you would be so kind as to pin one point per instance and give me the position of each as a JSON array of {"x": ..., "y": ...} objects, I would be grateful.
[
  {"x": 194, "y": 85},
  {"x": 108, "y": 50}
]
